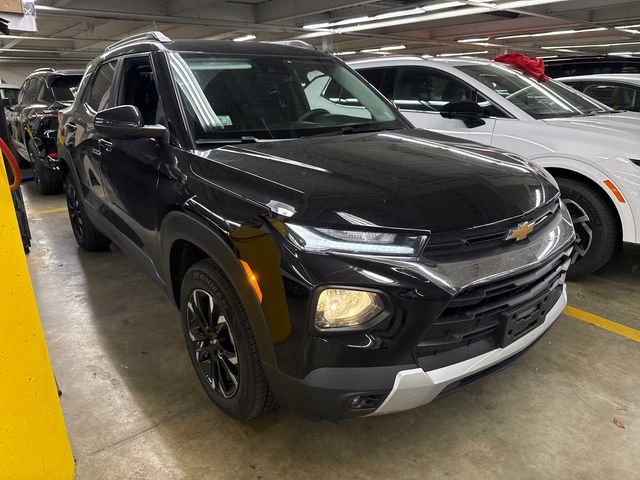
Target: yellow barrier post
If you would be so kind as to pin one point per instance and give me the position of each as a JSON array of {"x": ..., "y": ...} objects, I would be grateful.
[{"x": 33, "y": 436}]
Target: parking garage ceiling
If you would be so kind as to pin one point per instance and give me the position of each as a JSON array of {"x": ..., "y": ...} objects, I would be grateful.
[{"x": 75, "y": 31}]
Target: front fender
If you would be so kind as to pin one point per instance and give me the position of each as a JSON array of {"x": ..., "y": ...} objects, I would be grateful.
[
  {"x": 597, "y": 177},
  {"x": 182, "y": 226}
]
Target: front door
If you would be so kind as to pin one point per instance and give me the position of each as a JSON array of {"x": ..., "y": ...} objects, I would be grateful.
[
  {"x": 421, "y": 92},
  {"x": 130, "y": 167}
]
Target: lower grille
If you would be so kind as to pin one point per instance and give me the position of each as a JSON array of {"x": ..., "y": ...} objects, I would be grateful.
[{"x": 493, "y": 315}]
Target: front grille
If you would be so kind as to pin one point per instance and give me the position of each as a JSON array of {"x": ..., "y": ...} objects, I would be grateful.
[
  {"x": 450, "y": 246},
  {"x": 493, "y": 315}
]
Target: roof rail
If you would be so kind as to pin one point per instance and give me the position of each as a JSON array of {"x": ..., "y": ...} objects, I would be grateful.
[
  {"x": 294, "y": 43},
  {"x": 44, "y": 69},
  {"x": 151, "y": 36}
]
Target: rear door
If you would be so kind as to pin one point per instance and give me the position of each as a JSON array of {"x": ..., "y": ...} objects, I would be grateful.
[
  {"x": 17, "y": 119},
  {"x": 80, "y": 135}
]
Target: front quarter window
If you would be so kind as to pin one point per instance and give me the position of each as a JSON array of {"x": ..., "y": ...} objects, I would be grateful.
[{"x": 274, "y": 97}]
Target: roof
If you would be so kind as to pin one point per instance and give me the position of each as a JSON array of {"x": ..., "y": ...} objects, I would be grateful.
[
  {"x": 155, "y": 41},
  {"x": 452, "y": 61},
  {"x": 46, "y": 72},
  {"x": 611, "y": 77},
  {"x": 591, "y": 59}
]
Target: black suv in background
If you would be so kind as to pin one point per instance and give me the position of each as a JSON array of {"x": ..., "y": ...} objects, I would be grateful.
[
  {"x": 327, "y": 256},
  {"x": 591, "y": 65},
  {"x": 33, "y": 122}
]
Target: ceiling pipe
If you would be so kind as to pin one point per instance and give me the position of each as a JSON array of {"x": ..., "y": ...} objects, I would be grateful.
[{"x": 45, "y": 10}]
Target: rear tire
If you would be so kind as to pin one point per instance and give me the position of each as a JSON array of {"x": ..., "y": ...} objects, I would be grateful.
[
  {"x": 221, "y": 343},
  {"x": 47, "y": 185},
  {"x": 87, "y": 235},
  {"x": 597, "y": 231}
]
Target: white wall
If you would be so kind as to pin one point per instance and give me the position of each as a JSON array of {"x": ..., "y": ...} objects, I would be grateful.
[{"x": 16, "y": 73}]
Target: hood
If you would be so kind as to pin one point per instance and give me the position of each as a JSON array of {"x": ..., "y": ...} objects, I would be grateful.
[
  {"x": 410, "y": 179},
  {"x": 610, "y": 135}
]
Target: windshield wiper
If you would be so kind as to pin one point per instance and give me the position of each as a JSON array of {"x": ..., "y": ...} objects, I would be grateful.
[
  {"x": 352, "y": 129},
  {"x": 226, "y": 141}
]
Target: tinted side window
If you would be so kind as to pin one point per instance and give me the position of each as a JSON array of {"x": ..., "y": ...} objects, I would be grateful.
[
  {"x": 381, "y": 79},
  {"x": 139, "y": 88},
  {"x": 43, "y": 94},
  {"x": 418, "y": 88},
  {"x": 618, "y": 96},
  {"x": 100, "y": 91},
  {"x": 23, "y": 91},
  {"x": 30, "y": 91}
]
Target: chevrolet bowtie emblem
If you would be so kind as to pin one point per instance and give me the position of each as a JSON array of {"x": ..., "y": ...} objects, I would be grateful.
[{"x": 520, "y": 232}]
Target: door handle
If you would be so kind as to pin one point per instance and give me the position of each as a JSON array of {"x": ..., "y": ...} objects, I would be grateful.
[{"x": 105, "y": 145}]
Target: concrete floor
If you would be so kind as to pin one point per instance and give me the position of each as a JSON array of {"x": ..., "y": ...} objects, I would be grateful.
[{"x": 135, "y": 409}]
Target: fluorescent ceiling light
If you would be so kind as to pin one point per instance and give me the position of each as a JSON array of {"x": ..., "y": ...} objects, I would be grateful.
[
  {"x": 465, "y": 54},
  {"x": 555, "y": 32},
  {"x": 590, "y": 45},
  {"x": 461, "y": 12},
  {"x": 544, "y": 57},
  {"x": 385, "y": 16},
  {"x": 623, "y": 27},
  {"x": 347, "y": 52},
  {"x": 244, "y": 38},
  {"x": 474, "y": 40},
  {"x": 383, "y": 49},
  {"x": 622, "y": 54}
]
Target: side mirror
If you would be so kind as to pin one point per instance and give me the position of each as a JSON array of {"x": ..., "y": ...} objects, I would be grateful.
[
  {"x": 469, "y": 112},
  {"x": 126, "y": 121}
]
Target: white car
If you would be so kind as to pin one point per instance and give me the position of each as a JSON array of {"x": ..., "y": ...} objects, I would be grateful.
[
  {"x": 620, "y": 91},
  {"x": 592, "y": 151}
]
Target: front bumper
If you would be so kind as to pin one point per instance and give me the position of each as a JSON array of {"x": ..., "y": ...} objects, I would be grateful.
[
  {"x": 415, "y": 387},
  {"x": 450, "y": 320}
]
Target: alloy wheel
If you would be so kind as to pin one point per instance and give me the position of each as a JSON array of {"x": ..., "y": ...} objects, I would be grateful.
[
  {"x": 582, "y": 226},
  {"x": 213, "y": 343},
  {"x": 73, "y": 205}
]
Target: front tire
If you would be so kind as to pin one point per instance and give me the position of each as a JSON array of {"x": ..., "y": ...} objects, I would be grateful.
[
  {"x": 597, "y": 231},
  {"x": 87, "y": 235},
  {"x": 221, "y": 343}
]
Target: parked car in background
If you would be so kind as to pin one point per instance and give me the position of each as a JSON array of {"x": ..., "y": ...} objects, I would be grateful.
[
  {"x": 592, "y": 65},
  {"x": 592, "y": 151},
  {"x": 335, "y": 259},
  {"x": 9, "y": 94},
  {"x": 619, "y": 91},
  {"x": 33, "y": 122}
]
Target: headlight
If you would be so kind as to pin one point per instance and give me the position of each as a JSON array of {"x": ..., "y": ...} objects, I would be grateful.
[
  {"x": 314, "y": 239},
  {"x": 337, "y": 307}
]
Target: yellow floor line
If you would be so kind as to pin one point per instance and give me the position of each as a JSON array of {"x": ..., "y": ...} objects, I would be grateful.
[
  {"x": 614, "y": 327},
  {"x": 52, "y": 210}
]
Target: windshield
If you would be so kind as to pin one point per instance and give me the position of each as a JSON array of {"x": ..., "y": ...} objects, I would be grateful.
[
  {"x": 65, "y": 88},
  {"x": 269, "y": 97},
  {"x": 539, "y": 99}
]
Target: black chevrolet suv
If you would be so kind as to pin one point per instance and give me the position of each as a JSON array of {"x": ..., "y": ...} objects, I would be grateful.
[
  {"x": 33, "y": 122},
  {"x": 322, "y": 254}
]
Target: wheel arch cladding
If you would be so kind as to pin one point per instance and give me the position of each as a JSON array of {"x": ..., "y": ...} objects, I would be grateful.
[
  {"x": 564, "y": 173},
  {"x": 185, "y": 241}
]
